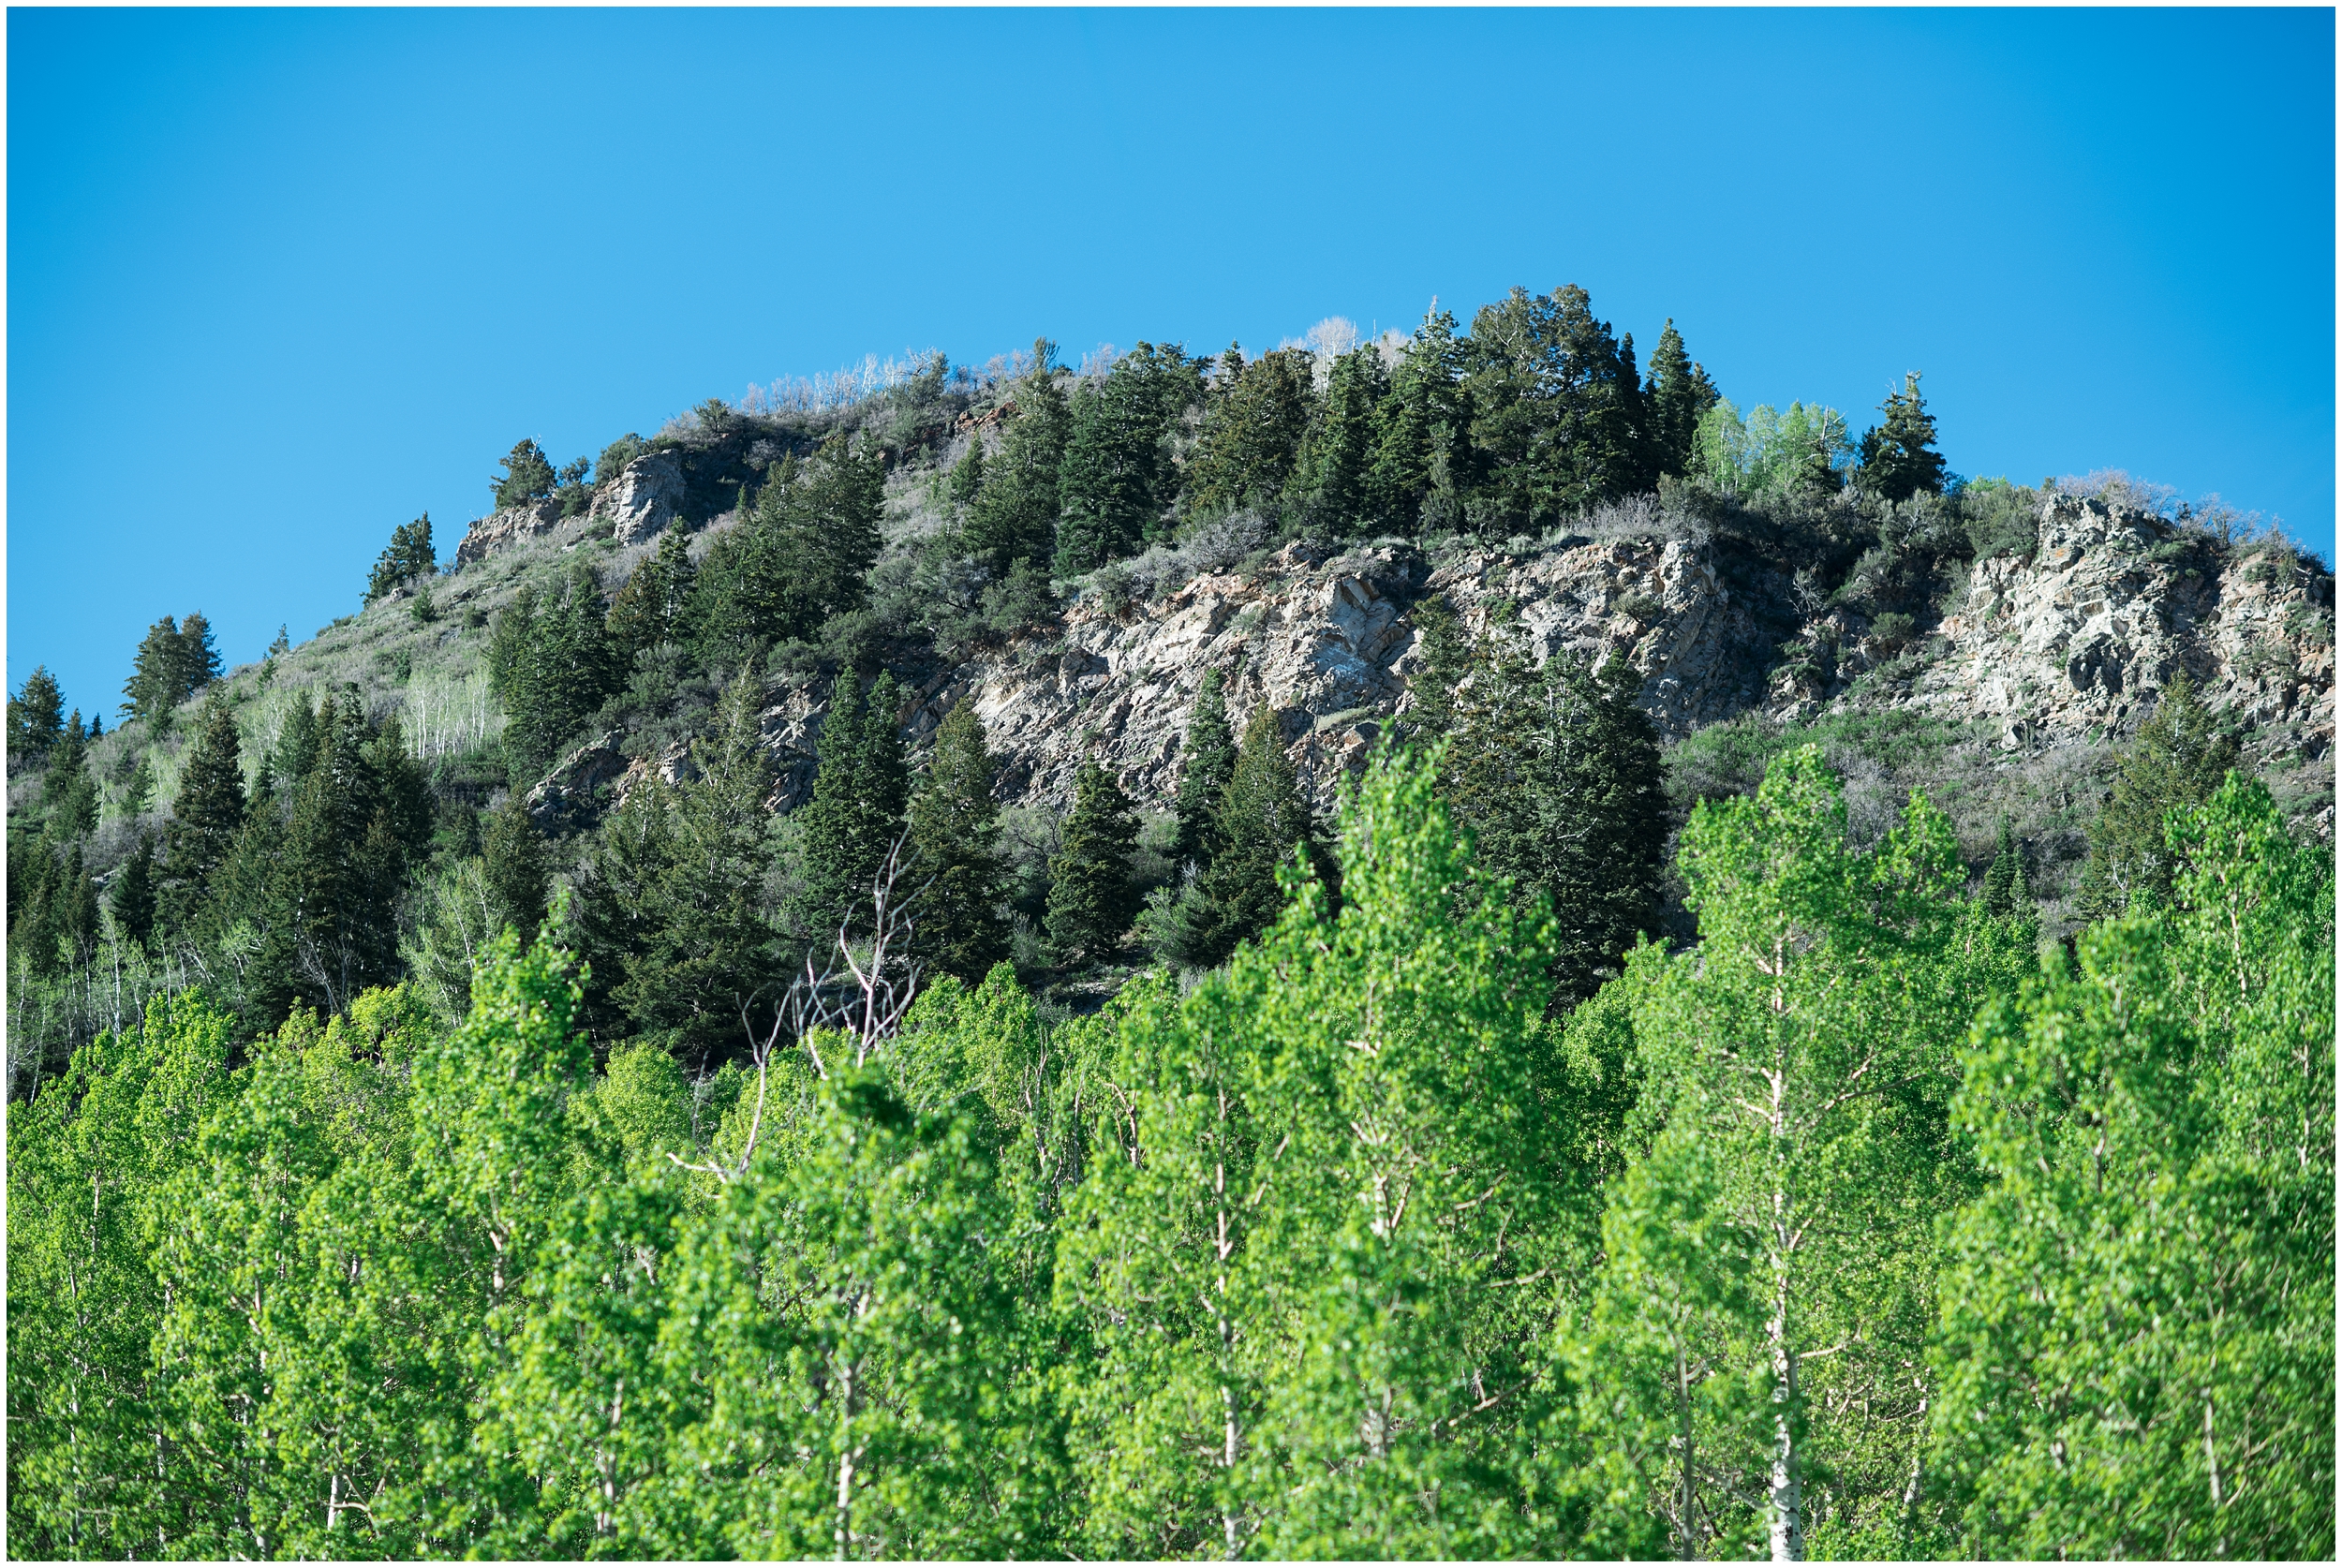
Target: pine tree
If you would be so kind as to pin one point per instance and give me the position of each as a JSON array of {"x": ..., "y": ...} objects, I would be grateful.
[
  {"x": 967, "y": 481},
  {"x": 1336, "y": 478},
  {"x": 957, "y": 926},
  {"x": 69, "y": 793},
  {"x": 1423, "y": 430},
  {"x": 210, "y": 808},
  {"x": 860, "y": 795},
  {"x": 198, "y": 659},
  {"x": 36, "y": 717},
  {"x": 560, "y": 665},
  {"x": 156, "y": 684},
  {"x": 1207, "y": 758},
  {"x": 801, "y": 553},
  {"x": 2178, "y": 758},
  {"x": 1093, "y": 899},
  {"x": 1556, "y": 409},
  {"x": 2006, "y": 895},
  {"x": 1262, "y": 817},
  {"x": 408, "y": 555},
  {"x": 704, "y": 951},
  {"x": 1558, "y": 773},
  {"x": 650, "y": 609},
  {"x": 518, "y": 873},
  {"x": 1899, "y": 455},
  {"x": 133, "y": 895},
  {"x": 1678, "y": 393},
  {"x": 1117, "y": 475},
  {"x": 527, "y": 476},
  {"x": 1445, "y": 658},
  {"x": 1256, "y": 419},
  {"x": 1015, "y": 517}
]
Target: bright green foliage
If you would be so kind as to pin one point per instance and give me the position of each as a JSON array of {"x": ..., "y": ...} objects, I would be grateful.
[
  {"x": 1092, "y": 900},
  {"x": 91, "y": 1163},
  {"x": 1899, "y": 455},
  {"x": 1118, "y": 478},
  {"x": 1555, "y": 409},
  {"x": 1798, "y": 449},
  {"x": 36, "y": 717},
  {"x": 408, "y": 555},
  {"x": 652, "y": 608},
  {"x": 527, "y": 476},
  {"x": 1315, "y": 1256},
  {"x": 861, "y": 796},
  {"x": 2177, "y": 758},
  {"x": 2138, "y": 1347},
  {"x": 1256, "y": 419},
  {"x": 1769, "y": 1285},
  {"x": 1677, "y": 396},
  {"x": 957, "y": 926},
  {"x": 1015, "y": 516},
  {"x": 801, "y": 553},
  {"x": 553, "y": 665},
  {"x": 1557, "y": 771}
]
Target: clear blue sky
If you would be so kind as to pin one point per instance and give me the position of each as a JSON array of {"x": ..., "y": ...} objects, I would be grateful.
[{"x": 279, "y": 280}]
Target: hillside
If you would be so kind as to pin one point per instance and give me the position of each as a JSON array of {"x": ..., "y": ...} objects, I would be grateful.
[
  {"x": 1503, "y": 958},
  {"x": 1994, "y": 646}
]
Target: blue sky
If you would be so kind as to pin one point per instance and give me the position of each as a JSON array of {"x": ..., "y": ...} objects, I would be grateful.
[{"x": 279, "y": 280}]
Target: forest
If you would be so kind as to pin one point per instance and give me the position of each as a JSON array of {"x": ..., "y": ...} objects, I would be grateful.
[{"x": 1546, "y": 1139}]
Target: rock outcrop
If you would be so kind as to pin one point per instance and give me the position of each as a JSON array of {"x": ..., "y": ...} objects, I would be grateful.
[
  {"x": 504, "y": 529},
  {"x": 2069, "y": 648},
  {"x": 643, "y": 499}
]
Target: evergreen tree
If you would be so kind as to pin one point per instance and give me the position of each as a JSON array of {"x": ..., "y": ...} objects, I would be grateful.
[
  {"x": 1336, "y": 477},
  {"x": 198, "y": 659},
  {"x": 69, "y": 793},
  {"x": 1446, "y": 658},
  {"x": 408, "y": 555},
  {"x": 1559, "y": 774},
  {"x": 1256, "y": 419},
  {"x": 957, "y": 926},
  {"x": 1092, "y": 900},
  {"x": 172, "y": 663},
  {"x": 36, "y": 717},
  {"x": 650, "y": 609},
  {"x": 1423, "y": 461},
  {"x": 1116, "y": 476},
  {"x": 1261, "y": 818},
  {"x": 208, "y": 811},
  {"x": 2006, "y": 895},
  {"x": 1556, "y": 409},
  {"x": 1675, "y": 398},
  {"x": 704, "y": 949},
  {"x": 133, "y": 895},
  {"x": 1015, "y": 516},
  {"x": 515, "y": 861},
  {"x": 527, "y": 476},
  {"x": 1206, "y": 759},
  {"x": 559, "y": 664},
  {"x": 1899, "y": 455},
  {"x": 967, "y": 481},
  {"x": 801, "y": 553},
  {"x": 860, "y": 795},
  {"x": 2178, "y": 758}
]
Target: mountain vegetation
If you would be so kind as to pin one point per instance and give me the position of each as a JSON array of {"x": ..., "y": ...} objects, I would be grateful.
[{"x": 615, "y": 1049}]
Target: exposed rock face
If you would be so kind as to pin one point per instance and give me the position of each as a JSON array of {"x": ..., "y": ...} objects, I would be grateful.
[
  {"x": 643, "y": 499},
  {"x": 2067, "y": 648},
  {"x": 504, "y": 529},
  {"x": 567, "y": 799},
  {"x": 2071, "y": 644}
]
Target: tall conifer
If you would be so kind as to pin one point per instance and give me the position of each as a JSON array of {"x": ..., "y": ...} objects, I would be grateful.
[
  {"x": 957, "y": 926},
  {"x": 1092, "y": 900}
]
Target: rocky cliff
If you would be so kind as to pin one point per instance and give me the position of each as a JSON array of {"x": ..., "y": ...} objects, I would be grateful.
[{"x": 2067, "y": 648}]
